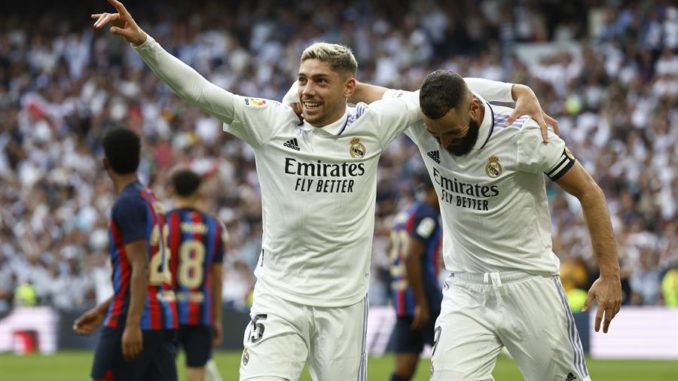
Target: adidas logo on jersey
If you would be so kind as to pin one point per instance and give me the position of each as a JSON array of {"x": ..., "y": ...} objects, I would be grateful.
[
  {"x": 435, "y": 155},
  {"x": 292, "y": 143},
  {"x": 570, "y": 377}
]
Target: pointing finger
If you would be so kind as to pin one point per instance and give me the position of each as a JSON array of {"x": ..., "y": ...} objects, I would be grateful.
[
  {"x": 599, "y": 318},
  {"x": 120, "y": 8}
]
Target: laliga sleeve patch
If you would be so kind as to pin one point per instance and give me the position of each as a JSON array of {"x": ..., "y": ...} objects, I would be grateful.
[{"x": 255, "y": 102}]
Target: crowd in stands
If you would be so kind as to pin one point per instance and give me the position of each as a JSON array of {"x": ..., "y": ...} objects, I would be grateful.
[{"x": 606, "y": 69}]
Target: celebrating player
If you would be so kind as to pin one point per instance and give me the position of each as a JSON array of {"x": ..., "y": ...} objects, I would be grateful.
[
  {"x": 504, "y": 289},
  {"x": 140, "y": 319}
]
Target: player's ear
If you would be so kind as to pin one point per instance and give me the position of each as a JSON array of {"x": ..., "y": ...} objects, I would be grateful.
[
  {"x": 349, "y": 87},
  {"x": 105, "y": 164},
  {"x": 474, "y": 108}
]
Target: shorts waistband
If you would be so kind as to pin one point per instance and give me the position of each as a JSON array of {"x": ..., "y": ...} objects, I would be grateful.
[{"x": 495, "y": 278}]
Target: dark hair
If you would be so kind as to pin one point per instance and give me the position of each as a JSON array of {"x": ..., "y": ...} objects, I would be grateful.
[
  {"x": 186, "y": 182},
  {"x": 441, "y": 91},
  {"x": 122, "y": 148}
]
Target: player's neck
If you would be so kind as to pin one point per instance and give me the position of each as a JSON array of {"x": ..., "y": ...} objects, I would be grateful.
[
  {"x": 121, "y": 181},
  {"x": 185, "y": 203}
]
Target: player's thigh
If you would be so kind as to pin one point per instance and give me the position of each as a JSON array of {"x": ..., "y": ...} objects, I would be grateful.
[
  {"x": 157, "y": 360},
  {"x": 197, "y": 343},
  {"x": 407, "y": 340},
  {"x": 466, "y": 346},
  {"x": 541, "y": 334},
  {"x": 164, "y": 352},
  {"x": 338, "y": 346},
  {"x": 275, "y": 343},
  {"x": 107, "y": 355}
]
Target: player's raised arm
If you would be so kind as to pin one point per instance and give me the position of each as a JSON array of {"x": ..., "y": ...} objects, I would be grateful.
[
  {"x": 606, "y": 290},
  {"x": 187, "y": 83}
]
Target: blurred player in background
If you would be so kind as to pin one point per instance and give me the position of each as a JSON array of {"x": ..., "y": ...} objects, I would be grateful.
[
  {"x": 140, "y": 319},
  {"x": 196, "y": 241},
  {"x": 318, "y": 192},
  {"x": 416, "y": 240}
]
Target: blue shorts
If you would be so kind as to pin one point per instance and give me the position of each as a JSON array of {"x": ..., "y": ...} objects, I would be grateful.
[
  {"x": 407, "y": 340},
  {"x": 157, "y": 360},
  {"x": 196, "y": 340}
]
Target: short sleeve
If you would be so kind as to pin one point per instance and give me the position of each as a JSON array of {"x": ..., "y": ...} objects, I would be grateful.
[
  {"x": 131, "y": 216},
  {"x": 424, "y": 226},
  {"x": 395, "y": 112},
  {"x": 553, "y": 158},
  {"x": 492, "y": 91}
]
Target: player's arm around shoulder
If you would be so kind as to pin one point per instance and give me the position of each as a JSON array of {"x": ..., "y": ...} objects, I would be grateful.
[{"x": 606, "y": 290}]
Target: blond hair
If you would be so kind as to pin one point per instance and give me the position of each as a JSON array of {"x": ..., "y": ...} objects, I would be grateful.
[{"x": 339, "y": 57}]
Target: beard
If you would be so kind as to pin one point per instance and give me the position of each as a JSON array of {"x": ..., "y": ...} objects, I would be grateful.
[{"x": 464, "y": 145}]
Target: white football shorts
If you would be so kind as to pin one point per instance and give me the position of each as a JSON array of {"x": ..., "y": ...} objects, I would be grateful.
[
  {"x": 283, "y": 336},
  {"x": 527, "y": 314}
]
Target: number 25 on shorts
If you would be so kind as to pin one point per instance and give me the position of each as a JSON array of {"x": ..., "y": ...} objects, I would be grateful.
[{"x": 258, "y": 328}]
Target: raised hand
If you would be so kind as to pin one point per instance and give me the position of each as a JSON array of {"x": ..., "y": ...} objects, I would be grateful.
[
  {"x": 122, "y": 23},
  {"x": 528, "y": 104}
]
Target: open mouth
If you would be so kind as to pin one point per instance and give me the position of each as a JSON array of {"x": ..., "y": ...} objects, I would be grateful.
[{"x": 311, "y": 105}]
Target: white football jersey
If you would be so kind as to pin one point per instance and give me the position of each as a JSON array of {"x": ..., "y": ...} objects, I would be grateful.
[
  {"x": 318, "y": 185},
  {"x": 493, "y": 199}
]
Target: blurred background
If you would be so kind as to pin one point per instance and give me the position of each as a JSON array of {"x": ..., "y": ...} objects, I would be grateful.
[{"x": 607, "y": 70}]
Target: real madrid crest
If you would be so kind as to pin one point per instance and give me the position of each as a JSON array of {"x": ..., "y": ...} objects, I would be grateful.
[
  {"x": 493, "y": 168},
  {"x": 245, "y": 357},
  {"x": 357, "y": 149}
]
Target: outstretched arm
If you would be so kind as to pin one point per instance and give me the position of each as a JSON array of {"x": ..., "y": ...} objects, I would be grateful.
[
  {"x": 187, "y": 83},
  {"x": 606, "y": 290}
]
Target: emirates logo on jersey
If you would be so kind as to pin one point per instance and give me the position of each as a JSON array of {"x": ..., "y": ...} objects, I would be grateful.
[
  {"x": 493, "y": 168},
  {"x": 357, "y": 149}
]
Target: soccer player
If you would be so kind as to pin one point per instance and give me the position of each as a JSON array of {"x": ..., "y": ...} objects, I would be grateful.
[
  {"x": 318, "y": 191},
  {"x": 140, "y": 319},
  {"x": 196, "y": 243},
  {"x": 416, "y": 239},
  {"x": 504, "y": 289}
]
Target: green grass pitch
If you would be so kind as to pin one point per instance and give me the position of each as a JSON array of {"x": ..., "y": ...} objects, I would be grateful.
[{"x": 70, "y": 366}]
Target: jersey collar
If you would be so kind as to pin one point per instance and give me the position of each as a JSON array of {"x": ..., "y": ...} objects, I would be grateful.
[
  {"x": 486, "y": 127},
  {"x": 335, "y": 128}
]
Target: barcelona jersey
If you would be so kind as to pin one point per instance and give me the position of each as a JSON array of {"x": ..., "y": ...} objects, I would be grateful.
[
  {"x": 136, "y": 216},
  {"x": 195, "y": 241},
  {"x": 418, "y": 221}
]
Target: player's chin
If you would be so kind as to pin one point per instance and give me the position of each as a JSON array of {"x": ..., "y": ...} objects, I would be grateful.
[{"x": 312, "y": 117}]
